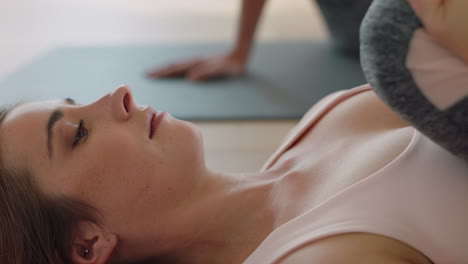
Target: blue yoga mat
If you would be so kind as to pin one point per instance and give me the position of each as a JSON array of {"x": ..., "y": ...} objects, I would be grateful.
[{"x": 283, "y": 82}]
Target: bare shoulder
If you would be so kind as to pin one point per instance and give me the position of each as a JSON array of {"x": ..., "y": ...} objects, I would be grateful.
[{"x": 356, "y": 248}]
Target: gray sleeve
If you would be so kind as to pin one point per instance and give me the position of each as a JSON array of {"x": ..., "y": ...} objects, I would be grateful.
[{"x": 386, "y": 32}]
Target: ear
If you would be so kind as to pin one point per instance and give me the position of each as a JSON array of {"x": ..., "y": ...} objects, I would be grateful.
[{"x": 92, "y": 244}]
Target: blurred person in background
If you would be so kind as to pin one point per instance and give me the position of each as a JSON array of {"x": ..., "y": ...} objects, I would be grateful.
[{"x": 343, "y": 18}]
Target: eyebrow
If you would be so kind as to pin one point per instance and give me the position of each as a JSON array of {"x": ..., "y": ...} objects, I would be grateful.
[
  {"x": 68, "y": 100},
  {"x": 55, "y": 116}
]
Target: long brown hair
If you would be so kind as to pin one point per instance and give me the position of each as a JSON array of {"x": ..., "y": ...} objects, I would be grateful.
[{"x": 34, "y": 227}]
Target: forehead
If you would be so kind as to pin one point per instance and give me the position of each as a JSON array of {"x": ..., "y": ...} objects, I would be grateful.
[
  {"x": 29, "y": 109},
  {"x": 22, "y": 131}
]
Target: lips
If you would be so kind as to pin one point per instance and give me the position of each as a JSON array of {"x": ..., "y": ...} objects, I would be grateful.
[{"x": 154, "y": 120}]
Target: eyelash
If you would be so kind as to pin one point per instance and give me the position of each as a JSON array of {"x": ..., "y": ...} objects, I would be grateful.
[{"x": 81, "y": 132}]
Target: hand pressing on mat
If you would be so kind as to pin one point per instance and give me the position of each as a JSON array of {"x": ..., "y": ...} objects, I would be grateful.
[
  {"x": 446, "y": 21},
  {"x": 230, "y": 64},
  {"x": 202, "y": 69}
]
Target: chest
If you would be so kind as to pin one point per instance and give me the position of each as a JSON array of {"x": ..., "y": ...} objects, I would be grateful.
[{"x": 349, "y": 143}]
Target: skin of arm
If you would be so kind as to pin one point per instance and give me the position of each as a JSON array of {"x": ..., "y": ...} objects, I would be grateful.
[
  {"x": 251, "y": 11},
  {"x": 232, "y": 63}
]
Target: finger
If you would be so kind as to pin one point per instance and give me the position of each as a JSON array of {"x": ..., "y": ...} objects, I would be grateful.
[
  {"x": 173, "y": 70},
  {"x": 168, "y": 71},
  {"x": 205, "y": 73}
]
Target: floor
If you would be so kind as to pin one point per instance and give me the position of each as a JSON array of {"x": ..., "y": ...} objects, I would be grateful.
[{"x": 29, "y": 28}]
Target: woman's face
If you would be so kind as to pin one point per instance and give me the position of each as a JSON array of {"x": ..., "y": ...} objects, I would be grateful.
[{"x": 110, "y": 161}]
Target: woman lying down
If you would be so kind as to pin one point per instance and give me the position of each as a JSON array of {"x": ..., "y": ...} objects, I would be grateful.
[{"x": 115, "y": 182}]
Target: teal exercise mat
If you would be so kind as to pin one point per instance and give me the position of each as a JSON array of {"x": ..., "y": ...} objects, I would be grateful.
[{"x": 283, "y": 82}]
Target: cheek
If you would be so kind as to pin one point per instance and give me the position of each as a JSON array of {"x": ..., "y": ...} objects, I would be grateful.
[
  {"x": 130, "y": 175},
  {"x": 114, "y": 173}
]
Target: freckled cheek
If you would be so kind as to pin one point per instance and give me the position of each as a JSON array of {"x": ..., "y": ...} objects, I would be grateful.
[
  {"x": 142, "y": 179},
  {"x": 121, "y": 176}
]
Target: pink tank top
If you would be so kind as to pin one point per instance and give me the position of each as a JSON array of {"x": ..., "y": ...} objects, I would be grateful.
[{"x": 419, "y": 198}]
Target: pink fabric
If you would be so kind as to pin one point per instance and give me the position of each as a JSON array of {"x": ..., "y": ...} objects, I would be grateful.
[
  {"x": 440, "y": 75},
  {"x": 418, "y": 198}
]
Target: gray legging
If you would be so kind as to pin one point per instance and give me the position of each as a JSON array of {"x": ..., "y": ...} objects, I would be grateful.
[{"x": 343, "y": 18}]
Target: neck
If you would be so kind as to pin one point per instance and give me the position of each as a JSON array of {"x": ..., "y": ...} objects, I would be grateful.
[{"x": 229, "y": 217}]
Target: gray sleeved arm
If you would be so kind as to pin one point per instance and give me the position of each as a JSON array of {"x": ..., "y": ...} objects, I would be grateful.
[{"x": 385, "y": 37}]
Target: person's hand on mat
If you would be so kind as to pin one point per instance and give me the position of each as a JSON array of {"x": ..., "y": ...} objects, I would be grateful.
[
  {"x": 202, "y": 69},
  {"x": 445, "y": 21},
  {"x": 230, "y": 64}
]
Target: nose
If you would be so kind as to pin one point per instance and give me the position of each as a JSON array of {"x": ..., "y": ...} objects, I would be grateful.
[{"x": 122, "y": 104}]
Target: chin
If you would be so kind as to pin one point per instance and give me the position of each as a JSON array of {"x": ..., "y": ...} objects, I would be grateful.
[
  {"x": 198, "y": 148},
  {"x": 191, "y": 137},
  {"x": 193, "y": 130},
  {"x": 196, "y": 136}
]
